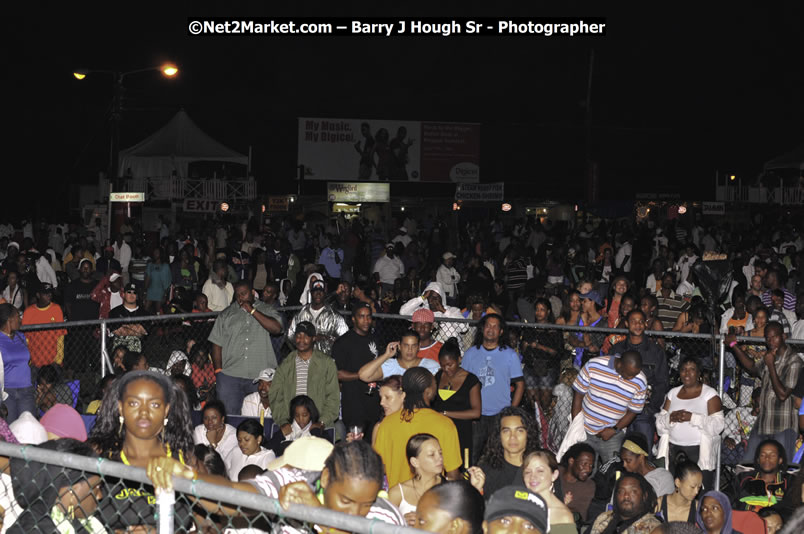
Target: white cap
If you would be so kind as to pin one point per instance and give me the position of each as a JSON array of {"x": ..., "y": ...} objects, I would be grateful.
[
  {"x": 265, "y": 374},
  {"x": 28, "y": 430}
]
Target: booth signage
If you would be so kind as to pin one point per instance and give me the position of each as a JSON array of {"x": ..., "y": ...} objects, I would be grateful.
[
  {"x": 358, "y": 192},
  {"x": 278, "y": 203},
  {"x": 121, "y": 196},
  {"x": 714, "y": 208},
  {"x": 200, "y": 205},
  {"x": 483, "y": 192}
]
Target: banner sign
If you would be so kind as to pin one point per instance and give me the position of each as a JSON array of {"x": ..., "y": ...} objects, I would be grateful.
[
  {"x": 483, "y": 192},
  {"x": 389, "y": 150},
  {"x": 358, "y": 192},
  {"x": 201, "y": 205},
  {"x": 714, "y": 208},
  {"x": 121, "y": 196},
  {"x": 278, "y": 203}
]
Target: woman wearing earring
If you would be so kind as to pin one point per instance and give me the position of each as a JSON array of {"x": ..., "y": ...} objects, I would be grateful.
[
  {"x": 682, "y": 505},
  {"x": 427, "y": 465},
  {"x": 539, "y": 471},
  {"x": 142, "y": 416},
  {"x": 691, "y": 421}
]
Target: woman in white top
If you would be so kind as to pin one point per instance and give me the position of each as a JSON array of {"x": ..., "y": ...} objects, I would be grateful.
[
  {"x": 249, "y": 450},
  {"x": 691, "y": 421},
  {"x": 427, "y": 465},
  {"x": 214, "y": 432},
  {"x": 14, "y": 293}
]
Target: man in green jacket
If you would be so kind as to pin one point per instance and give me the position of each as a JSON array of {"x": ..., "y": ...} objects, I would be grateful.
[{"x": 305, "y": 371}]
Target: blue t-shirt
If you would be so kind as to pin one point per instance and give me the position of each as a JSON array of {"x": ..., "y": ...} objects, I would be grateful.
[
  {"x": 496, "y": 369},
  {"x": 161, "y": 278},
  {"x": 15, "y": 361}
]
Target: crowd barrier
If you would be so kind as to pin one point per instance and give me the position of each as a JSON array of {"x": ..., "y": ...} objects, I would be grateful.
[
  {"x": 175, "y": 511},
  {"x": 88, "y": 351}
]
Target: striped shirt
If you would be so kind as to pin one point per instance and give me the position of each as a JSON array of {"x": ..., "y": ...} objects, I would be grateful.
[
  {"x": 789, "y": 300},
  {"x": 270, "y": 482},
  {"x": 607, "y": 395},
  {"x": 302, "y": 367}
]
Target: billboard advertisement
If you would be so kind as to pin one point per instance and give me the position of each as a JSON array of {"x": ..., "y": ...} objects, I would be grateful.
[{"x": 389, "y": 150}]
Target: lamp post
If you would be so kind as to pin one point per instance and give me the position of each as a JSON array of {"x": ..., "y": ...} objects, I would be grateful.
[{"x": 169, "y": 70}]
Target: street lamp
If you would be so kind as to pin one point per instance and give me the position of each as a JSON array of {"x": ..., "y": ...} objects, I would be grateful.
[{"x": 169, "y": 70}]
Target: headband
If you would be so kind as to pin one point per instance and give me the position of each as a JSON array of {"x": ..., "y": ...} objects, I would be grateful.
[{"x": 633, "y": 447}]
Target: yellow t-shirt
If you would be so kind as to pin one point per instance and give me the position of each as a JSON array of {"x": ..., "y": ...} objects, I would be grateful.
[{"x": 393, "y": 435}]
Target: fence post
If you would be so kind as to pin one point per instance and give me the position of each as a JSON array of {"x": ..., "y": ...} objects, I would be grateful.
[
  {"x": 165, "y": 501},
  {"x": 104, "y": 357},
  {"x": 721, "y": 370}
]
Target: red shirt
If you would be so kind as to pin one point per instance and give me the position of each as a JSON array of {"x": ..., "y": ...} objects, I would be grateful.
[{"x": 43, "y": 344}]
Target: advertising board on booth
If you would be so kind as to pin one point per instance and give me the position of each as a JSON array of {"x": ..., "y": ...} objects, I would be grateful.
[
  {"x": 389, "y": 150},
  {"x": 482, "y": 192},
  {"x": 126, "y": 196},
  {"x": 358, "y": 192}
]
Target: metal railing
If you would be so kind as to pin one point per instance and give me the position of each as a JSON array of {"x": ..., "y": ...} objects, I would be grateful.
[
  {"x": 172, "y": 508},
  {"x": 88, "y": 349}
]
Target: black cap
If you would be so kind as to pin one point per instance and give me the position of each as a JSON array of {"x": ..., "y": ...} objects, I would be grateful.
[
  {"x": 130, "y": 287},
  {"x": 520, "y": 502},
  {"x": 44, "y": 287},
  {"x": 305, "y": 327}
]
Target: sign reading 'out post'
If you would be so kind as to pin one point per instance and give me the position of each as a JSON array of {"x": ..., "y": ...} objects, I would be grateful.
[
  {"x": 278, "y": 203},
  {"x": 125, "y": 196}
]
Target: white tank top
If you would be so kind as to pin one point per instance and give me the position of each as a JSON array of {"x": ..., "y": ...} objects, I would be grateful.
[
  {"x": 405, "y": 506},
  {"x": 685, "y": 434}
]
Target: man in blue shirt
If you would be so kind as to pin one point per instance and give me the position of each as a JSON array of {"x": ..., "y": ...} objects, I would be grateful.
[
  {"x": 331, "y": 258},
  {"x": 498, "y": 367}
]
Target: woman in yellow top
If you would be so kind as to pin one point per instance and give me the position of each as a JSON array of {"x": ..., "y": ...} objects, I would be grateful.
[
  {"x": 416, "y": 417},
  {"x": 143, "y": 416}
]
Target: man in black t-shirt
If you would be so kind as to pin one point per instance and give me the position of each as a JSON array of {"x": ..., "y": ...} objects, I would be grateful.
[
  {"x": 351, "y": 351},
  {"x": 128, "y": 334},
  {"x": 79, "y": 306}
]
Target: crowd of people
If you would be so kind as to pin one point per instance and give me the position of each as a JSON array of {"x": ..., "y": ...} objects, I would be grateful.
[{"x": 490, "y": 410}]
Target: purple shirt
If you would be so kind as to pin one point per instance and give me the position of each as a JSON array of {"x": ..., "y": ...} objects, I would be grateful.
[{"x": 15, "y": 361}]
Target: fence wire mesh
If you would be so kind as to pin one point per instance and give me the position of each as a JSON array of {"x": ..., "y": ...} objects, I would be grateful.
[
  {"x": 61, "y": 486},
  {"x": 67, "y": 360}
]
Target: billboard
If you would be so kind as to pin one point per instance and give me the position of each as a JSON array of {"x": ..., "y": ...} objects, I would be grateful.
[
  {"x": 482, "y": 192},
  {"x": 389, "y": 150}
]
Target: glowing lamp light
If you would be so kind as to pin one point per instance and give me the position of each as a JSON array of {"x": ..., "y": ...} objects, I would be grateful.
[
  {"x": 224, "y": 206},
  {"x": 80, "y": 74},
  {"x": 506, "y": 207},
  {"x": 263, "y": 208},
  {"x": 732, "y": 177},
  {"x": 403, "y": 208},
  {"x": 456, "y": 206},
  {"x": 170, "y": 70},
  {"x": 682, "y": 210}
]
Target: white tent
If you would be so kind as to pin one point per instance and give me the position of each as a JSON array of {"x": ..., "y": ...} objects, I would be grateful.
[
  {"x": 789, "y": 160},
  {"x": 172, "y": 148}
]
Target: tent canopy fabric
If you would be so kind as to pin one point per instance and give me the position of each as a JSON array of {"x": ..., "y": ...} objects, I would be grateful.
[
  {"x": 172, "y": 148},
  {"x": 789, "y": 160}
]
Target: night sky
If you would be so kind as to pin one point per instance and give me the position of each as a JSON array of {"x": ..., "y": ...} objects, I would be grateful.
[{"x": 676, "y": 94}]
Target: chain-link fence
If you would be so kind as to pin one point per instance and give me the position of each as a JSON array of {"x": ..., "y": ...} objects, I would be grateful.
[
  {"x": 88, "y": 350},
  {"x": 62, "y": 486}
]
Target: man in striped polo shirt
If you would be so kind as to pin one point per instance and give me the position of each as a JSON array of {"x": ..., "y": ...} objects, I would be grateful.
[{"x": 610, "y": 390}]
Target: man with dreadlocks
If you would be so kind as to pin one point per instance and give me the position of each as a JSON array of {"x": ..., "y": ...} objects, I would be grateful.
[
  {"x": 634, "y": 504},
  {"x": 514, "y": 436}
]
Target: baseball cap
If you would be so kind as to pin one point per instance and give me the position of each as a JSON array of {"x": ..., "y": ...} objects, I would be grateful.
[
  {"x": 518, "y": 501},
  {"x": 28, "y": 430},
  {"x": 114, "y": 277},
  {"x": 423, "y": 315},
  {"x": 318, "y": 285},
  {"x": 308, "y": 453},
  {"x": 44, "y": 287},
  {"x": 389, "y": 245},
  {"x": 130, "y": 287},
  {"x": 448, "y": 255},
  {"x": 593, "y": 295},
  {"x": 82, "y": 262},
  {"x": 13, "y": 244},
  {"x": 63, "y": 421},
  {"x": 305, "y": 327},
  {"x": 265, "y": 374},
  {"x": 403, "y": 229}
]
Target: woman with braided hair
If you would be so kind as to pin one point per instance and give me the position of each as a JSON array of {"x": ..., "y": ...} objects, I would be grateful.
[
  {"x": 143, "y": 416},
  {"x": 416, "y": 417}
]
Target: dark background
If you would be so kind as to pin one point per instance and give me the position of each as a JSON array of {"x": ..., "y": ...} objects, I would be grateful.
[{"x": 676, "y": 93}]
